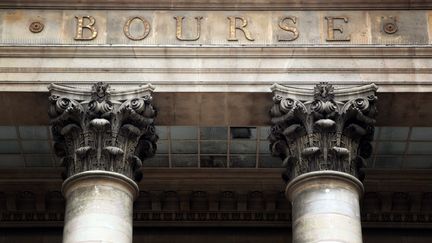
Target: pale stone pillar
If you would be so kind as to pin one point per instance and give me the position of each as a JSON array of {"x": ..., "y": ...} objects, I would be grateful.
[
  {"x": 102, "y": 138},
  {"x": 325, "y": 207},
  {"x": 323, "y": 136},
  {"x": 99, "y": 207}
]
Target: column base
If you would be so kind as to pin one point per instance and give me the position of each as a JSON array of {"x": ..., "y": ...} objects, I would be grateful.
[
  {"x": 325, "y": 206},
  {"x": 99, "y": 207}
]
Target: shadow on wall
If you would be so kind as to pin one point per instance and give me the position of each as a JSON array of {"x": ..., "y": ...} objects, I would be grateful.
[{"x": 214, "y": 235}]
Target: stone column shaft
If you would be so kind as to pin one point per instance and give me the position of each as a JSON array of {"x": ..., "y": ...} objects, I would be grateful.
[
  {"x": 99, "y": 207},
  {"x": 325, "y": 207}
]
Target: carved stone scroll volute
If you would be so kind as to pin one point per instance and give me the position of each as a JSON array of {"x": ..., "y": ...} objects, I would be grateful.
[
  {"x": 102, "y": 130},
  {"x": 322, "y": 129}
]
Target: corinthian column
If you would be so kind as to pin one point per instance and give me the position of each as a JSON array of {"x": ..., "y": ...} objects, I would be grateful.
[
  {"x": 323, "y": 137},
  {"x": 101, "y": 136}
]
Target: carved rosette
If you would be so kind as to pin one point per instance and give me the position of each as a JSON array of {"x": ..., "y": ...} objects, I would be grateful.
[
  {"x": 102, "y": 130},
  {"x": 323, "y": 128}
]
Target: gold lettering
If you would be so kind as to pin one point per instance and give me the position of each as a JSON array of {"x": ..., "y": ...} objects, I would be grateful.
[
  {"x": 89, "y": 26},
  {"x": 233, "y": 28},
  {"x": 331, "y": 29},
  {"x": 146, "y": 25},
  {"x": 179, "y": 28},
  {"x": 283, "y": 25}
]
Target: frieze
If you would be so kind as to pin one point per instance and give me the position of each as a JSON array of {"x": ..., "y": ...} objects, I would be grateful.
[
  {"x": 223, "y": 197},
  {"x": 148, "y": 210},
  {"x": 214, "y": 28}
]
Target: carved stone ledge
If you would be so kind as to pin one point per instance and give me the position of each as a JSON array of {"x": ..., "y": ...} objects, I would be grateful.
[
  {"x": 175, "y": 208},
  {"x": 322, "y": 129},
  {"x": 217, "y": 4},
  {"x": 100, "y": 129}
]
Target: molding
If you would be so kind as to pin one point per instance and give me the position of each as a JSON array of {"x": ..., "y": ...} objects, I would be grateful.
[
  {"x": 327, "y": 175},
  {"x": 400, "y": 198},
  {"x": 218, "y": 5},
  {"x": 95, "y": 176},
  {"x": 53, "y": 174},
  {"x": 226, "y": 219},
  {"x": 233, "y": 51},
  {"x": 170, "y": 86},
  {"x": 214, "y": 70},
  {"x": 374, "y": 214},
  {"x": 403, "y": 71},
  {"x": 400, "y": 220}
]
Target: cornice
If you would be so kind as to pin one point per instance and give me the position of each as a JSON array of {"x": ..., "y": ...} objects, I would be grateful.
[
  {"x": 215, "y": 175},
  {"x": 185, "y": 77},
  {"x": 232, "y": 51},
  {"x": 218, "y": 4}
]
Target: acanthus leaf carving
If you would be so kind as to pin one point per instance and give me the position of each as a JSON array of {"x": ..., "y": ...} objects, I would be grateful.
[
  {"x": 322, "y": 129},
  {"x": 100, "y": 132}
]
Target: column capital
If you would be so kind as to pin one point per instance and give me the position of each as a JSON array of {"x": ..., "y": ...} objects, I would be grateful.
[
  {"x": 102, "y": 129},
  {"x": 324, "y": 128}
]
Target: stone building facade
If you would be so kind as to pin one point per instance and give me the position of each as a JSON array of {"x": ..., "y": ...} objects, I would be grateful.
[{"x": 222, "y": 121}]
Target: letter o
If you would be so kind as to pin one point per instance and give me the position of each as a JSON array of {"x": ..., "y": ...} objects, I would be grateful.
[{"x": 126, "y": 29}]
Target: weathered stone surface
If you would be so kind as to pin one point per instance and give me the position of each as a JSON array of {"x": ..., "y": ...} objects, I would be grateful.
[
  {"x": 323, "y": 129},
  {"x": 325, "y": 207},
  {"x": 102, "y": 130},
  {"x": 215, "y": 28},
  {"x": 397, "y": 62},
  {"x": 323, "y": 136},
  {"x": 218, "y": 4},
  {"x": 395, "y": 69},
  {"x": 99, "y": 208}
]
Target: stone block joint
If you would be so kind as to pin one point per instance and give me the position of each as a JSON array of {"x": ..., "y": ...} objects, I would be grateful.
[
  {"x": 102, "y": 129},
  {"x": 324, "y": 128}
]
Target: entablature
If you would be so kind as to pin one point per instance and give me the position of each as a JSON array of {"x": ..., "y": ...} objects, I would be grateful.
[{"x": 214, "y": 51}]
